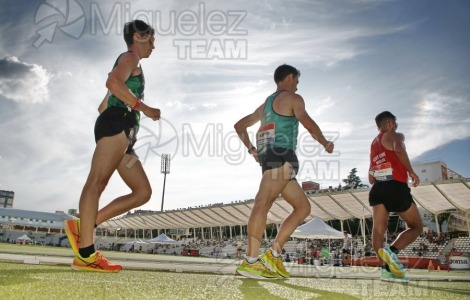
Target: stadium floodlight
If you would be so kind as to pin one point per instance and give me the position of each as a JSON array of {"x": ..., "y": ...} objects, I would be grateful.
[{"x": 165, "y": 169}]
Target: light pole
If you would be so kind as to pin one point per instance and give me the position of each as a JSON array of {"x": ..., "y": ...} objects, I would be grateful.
[{"x": 165, "y": 169}]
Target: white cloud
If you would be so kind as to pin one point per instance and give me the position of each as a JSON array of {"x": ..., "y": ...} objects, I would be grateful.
[
  {"x": 190, "y": 107},
  {"x": 323, "y": 105},
  {"x": 23, "y": 82},
  {"x": 439, "y": 119}
]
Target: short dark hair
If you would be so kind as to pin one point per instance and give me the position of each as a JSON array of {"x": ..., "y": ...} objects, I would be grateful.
[
  {"x": 383, "y": 117},
  {"x": 283, "y": 71},
  {"x": 136, "y": 26}
]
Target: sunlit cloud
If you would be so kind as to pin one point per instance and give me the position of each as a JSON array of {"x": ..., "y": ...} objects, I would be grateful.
[
  {"x": 23, "y": 82},
  {"x": 439, "y": 119}
]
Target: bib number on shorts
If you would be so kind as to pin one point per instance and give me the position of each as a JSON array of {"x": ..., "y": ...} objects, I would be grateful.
[
  {"x": 265, "y": 135},
  {"x": 382, "y": 172}
]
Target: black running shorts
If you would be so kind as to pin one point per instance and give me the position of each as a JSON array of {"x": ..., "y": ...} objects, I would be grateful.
[
  {"x": 115, "y": 120},
  {"x": 276, "y": 157},
  {"x": 394, "y": 195}
]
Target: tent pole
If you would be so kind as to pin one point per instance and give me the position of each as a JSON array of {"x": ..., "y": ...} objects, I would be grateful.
[{"x": 437, "y": 224}]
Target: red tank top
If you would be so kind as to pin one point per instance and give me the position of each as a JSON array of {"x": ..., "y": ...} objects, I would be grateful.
[{"x": 385, "y": 163}]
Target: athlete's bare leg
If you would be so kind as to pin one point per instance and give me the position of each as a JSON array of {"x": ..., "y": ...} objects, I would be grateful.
[
  {"x": 380, "y": 218},
  {"x": 272, "y": 184},
  {"x": 415, "y": 227},
  {"x": 131, "y": 171},
  {"x": 108, "y": 154},
  {"x": 295, "y": 196}
]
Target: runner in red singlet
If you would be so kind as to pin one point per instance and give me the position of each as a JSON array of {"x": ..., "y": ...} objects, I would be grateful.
[{"x": 388, "y": 172}]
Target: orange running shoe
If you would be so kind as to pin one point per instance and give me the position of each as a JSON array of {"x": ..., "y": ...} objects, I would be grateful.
[
  {"x": 95, "y": 263},
  {"x": 72, "y": 229}
]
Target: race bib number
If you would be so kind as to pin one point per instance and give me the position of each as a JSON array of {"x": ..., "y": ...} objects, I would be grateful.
[
  {"x": 382, "y": 172},
  {"x": 265, "y": 135}
]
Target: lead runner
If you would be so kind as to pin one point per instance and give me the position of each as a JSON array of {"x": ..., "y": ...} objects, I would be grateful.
[{"x": 388, "y": 172}]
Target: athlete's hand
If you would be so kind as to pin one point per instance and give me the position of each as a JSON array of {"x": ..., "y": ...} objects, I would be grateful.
[
  {"x": 414, "y": 179},
  {"x": 152, "y": 113},
  {"x": 329, "y": 147}
]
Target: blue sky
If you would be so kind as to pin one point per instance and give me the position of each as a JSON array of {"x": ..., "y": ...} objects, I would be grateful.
[{"x": 357, "y": 58}]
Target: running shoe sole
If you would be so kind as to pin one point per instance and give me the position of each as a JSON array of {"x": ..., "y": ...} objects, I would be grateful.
[
  {"x": 88, "y": 269},
  {"x": 254, "y": 276}
]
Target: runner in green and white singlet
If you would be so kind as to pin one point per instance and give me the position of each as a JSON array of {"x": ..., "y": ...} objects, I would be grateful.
[
  {"x": 115, "y": 131},
  {"x": 276, "y": 143},
  {"x": 276, "y": 131}
]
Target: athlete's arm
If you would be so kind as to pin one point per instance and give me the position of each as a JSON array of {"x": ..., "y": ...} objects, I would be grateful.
[
  {"x": 400, "y": 150},
  {"x": 118, "y": 76},
  {"x": 242, "y": 125},
  {"x": 371, "y": 178},
  {"x": 116, "y": 84},
  {"x": 301, "y": 114}
]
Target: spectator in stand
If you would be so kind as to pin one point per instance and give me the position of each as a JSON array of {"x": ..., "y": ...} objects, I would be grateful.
[
  {"x": 368, "y": 249},
  {"x": 345, "y": 258},
  {"x": 346, "y": 243},
  {"x": 239, "y": 249},
  {"x": 315, "y": 253}
]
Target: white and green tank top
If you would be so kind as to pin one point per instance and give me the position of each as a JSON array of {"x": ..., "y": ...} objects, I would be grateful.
[{"x": 276, "y": 131}]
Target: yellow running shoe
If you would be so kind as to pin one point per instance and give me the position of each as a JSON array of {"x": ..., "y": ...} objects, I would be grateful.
[
  {"x": 72, "y": 229},
  {"x": 274, "y": 263},
  {"x": 95, "y": 263},
  {"x": 256, "y": 270},
  {"x": 391, "y": 259}
]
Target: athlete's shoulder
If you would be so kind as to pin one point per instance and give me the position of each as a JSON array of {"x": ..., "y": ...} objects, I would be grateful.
[
  {"x": 393, "y": 136},
  {"x": 400, "y": 136},
  {"x": 130, "y": 58},
  {"x": 293, "y": 96},
  {"x": 387, "y": 139}
]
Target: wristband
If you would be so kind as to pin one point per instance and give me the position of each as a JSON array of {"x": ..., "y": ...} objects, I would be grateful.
[
  {"x": 136, "y": 105},
  {"x": 250, "y": 151}
]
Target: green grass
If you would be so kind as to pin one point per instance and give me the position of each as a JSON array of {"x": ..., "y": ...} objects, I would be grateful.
[
  {"x": 48, "y": 281},
  {"x": 4, "y": 247},
  {"x": 22, "y": 281}
]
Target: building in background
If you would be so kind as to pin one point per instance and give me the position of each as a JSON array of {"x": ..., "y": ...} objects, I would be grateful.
[
  {"x": 6, "y": 199},
  {"x": 310, "y": 187},
  {"x": 434, "y": 170}
]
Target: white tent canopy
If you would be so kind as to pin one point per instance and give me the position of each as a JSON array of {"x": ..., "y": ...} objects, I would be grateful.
[
  {"x": 317, "y": 229},
  {"x": 24, "y": 237},
  {"x": 137, "y": 241},
  {"x": 162, "y": 239}
]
